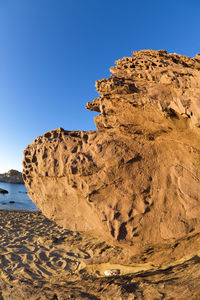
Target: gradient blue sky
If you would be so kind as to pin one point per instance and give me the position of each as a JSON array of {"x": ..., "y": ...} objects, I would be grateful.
[{"x": 53, "y": 51}]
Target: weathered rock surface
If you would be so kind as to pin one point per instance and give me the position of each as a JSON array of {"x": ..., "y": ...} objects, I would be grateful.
[
  {"x": 135, "y": 180},
  {"x": 12, "y": 176}
]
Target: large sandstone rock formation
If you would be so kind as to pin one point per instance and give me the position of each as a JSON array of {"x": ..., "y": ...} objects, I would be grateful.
[{"x": 136, "y": 179}]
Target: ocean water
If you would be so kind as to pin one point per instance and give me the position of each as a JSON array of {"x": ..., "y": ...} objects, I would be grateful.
[{"x": 18, "y": 194}]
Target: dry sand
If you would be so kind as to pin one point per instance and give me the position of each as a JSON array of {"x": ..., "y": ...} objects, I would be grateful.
[{"x": 40, "y": 260}]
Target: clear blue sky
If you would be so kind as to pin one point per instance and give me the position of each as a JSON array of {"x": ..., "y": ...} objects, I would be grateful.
[{"x": 53, "y": 51}]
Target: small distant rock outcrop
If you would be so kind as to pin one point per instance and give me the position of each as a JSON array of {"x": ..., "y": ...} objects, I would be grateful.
[
  {"x": 12, "y": 176},
  {"x": 136, "y": 180},
  {"x": 2, "y": 191}
]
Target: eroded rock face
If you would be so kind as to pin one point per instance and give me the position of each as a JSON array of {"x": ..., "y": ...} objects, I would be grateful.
[{"x": 136, "y": 179}]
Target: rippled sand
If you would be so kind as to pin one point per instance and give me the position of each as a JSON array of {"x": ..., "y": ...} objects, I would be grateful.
[{"x": 40, "y": 260}]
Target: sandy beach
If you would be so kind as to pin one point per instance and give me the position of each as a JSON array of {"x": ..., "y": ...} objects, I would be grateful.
[
  {"x": 35, "y": 261},
  {"x": 40, "y": 260}
]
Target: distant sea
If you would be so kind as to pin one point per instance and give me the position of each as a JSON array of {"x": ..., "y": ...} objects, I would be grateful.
[{"x": 16, "y": 199}]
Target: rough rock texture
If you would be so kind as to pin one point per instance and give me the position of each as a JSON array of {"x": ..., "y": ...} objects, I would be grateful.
[
  {"x": 12, "y": 176},
  {"x": 135, "y": 180}
]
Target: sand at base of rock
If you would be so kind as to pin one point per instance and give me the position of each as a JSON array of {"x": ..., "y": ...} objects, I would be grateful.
[{"x": 40, "y": 260}]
